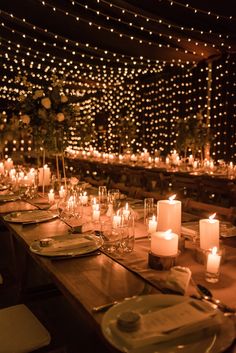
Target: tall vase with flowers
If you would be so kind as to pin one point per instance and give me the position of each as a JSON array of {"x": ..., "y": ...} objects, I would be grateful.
[{"x": 47, "y": 117}]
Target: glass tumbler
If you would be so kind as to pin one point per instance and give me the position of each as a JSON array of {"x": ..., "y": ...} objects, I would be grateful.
[{"x": 149, "y": 209}]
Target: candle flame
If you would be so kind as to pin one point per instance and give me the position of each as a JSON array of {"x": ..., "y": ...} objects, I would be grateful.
[
  {"x": 212, "y": 217},
  {"x": 214, "y": 250},
  {"x": 126, "y": 206},
  {"x": 51, "y": 191},
  {"x": 171, "y": 198},
  {"x": 153, "y": 217},
  {"x": 167, "y": 234}
]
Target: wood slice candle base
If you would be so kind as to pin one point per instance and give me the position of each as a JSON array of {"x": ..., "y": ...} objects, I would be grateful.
[{"x": 162, "y": 263}]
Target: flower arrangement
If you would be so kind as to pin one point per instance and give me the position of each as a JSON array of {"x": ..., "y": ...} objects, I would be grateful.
[
  {"x": 192, "y": 134},
  {"x": 47, "y": 116}
]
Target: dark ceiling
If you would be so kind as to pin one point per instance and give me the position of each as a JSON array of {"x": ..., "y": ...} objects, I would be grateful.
[{"x": 65, "y": 35}]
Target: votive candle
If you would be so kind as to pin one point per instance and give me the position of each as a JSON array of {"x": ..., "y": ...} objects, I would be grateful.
[
  {"x": 213, "y": 261},
  {"x": 51, "y": 196},
  {"x": 152, "y": 225}
]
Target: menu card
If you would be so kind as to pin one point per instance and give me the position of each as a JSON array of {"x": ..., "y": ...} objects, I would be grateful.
[{"x": 167, "y": 323}]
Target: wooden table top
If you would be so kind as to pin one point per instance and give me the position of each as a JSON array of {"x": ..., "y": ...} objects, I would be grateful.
[{"x": 85, "y": 282}]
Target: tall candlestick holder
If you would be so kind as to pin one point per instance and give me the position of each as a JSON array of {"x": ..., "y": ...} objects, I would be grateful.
[{"x": 162, "y": 263}]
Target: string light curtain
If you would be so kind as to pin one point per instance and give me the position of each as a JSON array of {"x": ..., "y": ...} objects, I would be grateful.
[{"x": 125, "y": 64}]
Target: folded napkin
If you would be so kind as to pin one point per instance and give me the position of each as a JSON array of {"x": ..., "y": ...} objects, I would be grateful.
[
  {"x": 168, "y": 323},
  {"x": 82, "y": 228},
  {"x": 189, "y": 232},
  {"x": 178, "y": 279},
  {"x": 69, "y": 243},
  {"x": 35, "y": 215}
]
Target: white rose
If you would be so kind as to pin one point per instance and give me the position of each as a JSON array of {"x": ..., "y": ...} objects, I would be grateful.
[
  {"x": 74, "y": 181},
  {"x": 38, "y": 93},
  {"x": 25, "y": 119},
  {"x": 64, "y": 99},
  {"x": 46, "y": 103},
  {"x": 60, "y": 117}
]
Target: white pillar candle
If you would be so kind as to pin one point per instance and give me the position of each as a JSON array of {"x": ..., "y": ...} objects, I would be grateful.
[
  {"x": 2, "y": 169},
  {"x": 44, "y": 175},
  {"x": 84, "y": 198},
  {"x": 12, "y": 172},
  {"x": 62, "y": 192},
  {"x": 94, "y": 204},
  {"x": 116, "y": 221},
  {"x": 152, "y": 225},
  {"x": 164, "y": 243},
  {"x": 209, "y": 230},
  {"x": 96, "y": 213},
  {"x": 51, "y": 196},
  {"x": 169, "y": 215},
  {"x": 213, "y": 261},
  {"x": 8, "y": 164}
]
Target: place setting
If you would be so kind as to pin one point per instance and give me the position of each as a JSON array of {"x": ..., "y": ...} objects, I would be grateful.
[
  {"x": 30, "y": 216},
  {"x": 162, "y": 323},
  {"x": 68, "y": 246}
]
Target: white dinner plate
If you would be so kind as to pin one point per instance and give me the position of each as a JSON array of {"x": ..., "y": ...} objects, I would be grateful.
[
  {"x": 214, "y": 341},
  {"x": 67, "y": 245},
  {"x": 34, "y": 216}
]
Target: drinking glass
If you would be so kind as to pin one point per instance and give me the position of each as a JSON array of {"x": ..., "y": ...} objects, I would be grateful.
[
  {"x": 149, "y": 209},
  {"x": 102, "y": 196},
  {"x": 111, "y": 236},
  {"x": 114, "y": 198}
]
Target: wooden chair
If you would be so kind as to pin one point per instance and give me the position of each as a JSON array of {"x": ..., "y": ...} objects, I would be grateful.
[
  {"x": 185, "y": 185},
  {"x": 21, "y": 331},
  {"x": 216, "y": 190}
]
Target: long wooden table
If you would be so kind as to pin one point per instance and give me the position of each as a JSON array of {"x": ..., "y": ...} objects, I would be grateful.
[{"x": 92, "y": 281}]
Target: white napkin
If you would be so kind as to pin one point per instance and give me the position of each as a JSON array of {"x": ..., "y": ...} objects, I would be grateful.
[
  {"x": 178, "y": 279},
  {"x": 65, "y": 244},
  {"x": 168, "y": 323},
  {"x": 190, "y": 232}
]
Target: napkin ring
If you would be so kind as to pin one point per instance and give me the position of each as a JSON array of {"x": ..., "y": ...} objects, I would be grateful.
[{"x": 162, "y": 263}]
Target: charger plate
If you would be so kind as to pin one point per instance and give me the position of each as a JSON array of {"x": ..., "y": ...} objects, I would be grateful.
[
  {"x": 67, "y": 245},
  {"x": 28, "y": 217},
  {"x": 214, "y": 339}
]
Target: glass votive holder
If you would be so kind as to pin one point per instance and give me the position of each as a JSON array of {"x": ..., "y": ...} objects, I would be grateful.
[{"x": 213, "y": 260}]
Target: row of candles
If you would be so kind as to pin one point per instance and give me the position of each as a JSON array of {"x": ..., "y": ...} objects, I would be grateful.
[
  {"x": 165, "y": 232},
  {"x": 172, "y": 159}
]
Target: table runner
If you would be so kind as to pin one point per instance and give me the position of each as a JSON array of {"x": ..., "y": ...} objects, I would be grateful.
[{"x": 137, "y": 262}]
